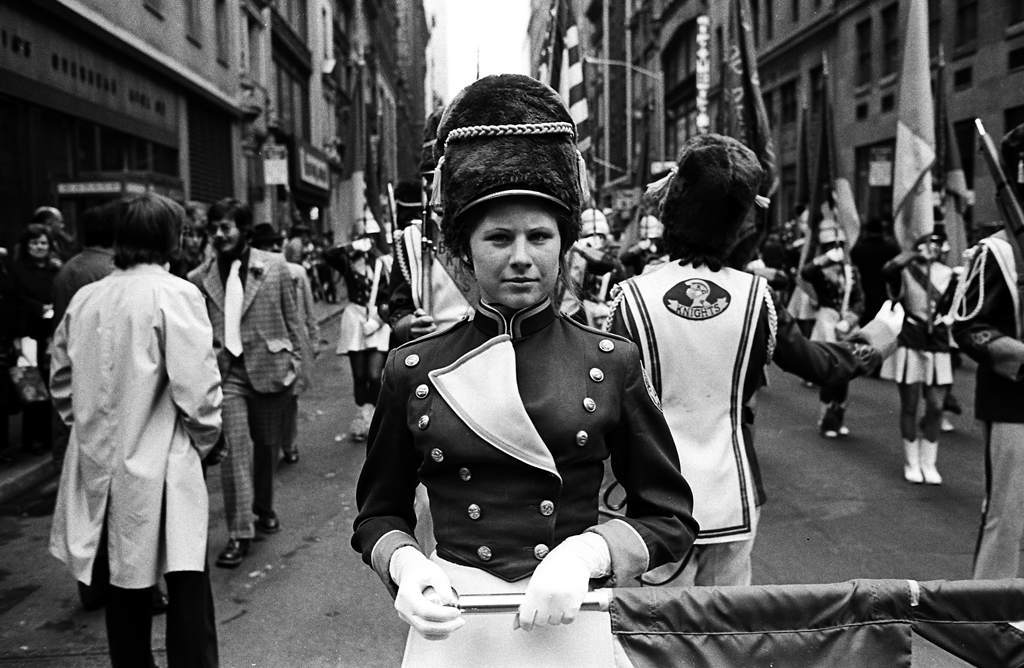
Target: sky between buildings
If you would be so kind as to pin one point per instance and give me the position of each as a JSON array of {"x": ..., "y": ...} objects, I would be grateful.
[{"x": 493, "y": 31}]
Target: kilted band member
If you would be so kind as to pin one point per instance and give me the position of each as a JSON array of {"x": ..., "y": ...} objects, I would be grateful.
[
  {"x": 508, "y": 418},
  {"x": 363, "y": 335},
  {"x": 836, "y": 283},
  {"x": 987, "y": 326},
  {"x": 922, "y": 364},
  {"x": 706, "y": 332}
]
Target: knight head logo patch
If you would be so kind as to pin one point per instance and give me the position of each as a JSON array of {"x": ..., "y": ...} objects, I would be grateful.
[{"x": 696, "y": 299}]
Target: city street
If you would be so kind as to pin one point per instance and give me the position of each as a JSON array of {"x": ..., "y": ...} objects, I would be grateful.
[{"x": 837, "y": 510}]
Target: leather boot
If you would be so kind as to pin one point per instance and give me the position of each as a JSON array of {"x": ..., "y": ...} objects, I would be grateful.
[
  {"x": 929, "y": 453},
  {"x": 912, "y": 462}
]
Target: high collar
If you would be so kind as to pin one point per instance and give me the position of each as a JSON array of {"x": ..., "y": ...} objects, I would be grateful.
[{"x": 493, "y": 320}]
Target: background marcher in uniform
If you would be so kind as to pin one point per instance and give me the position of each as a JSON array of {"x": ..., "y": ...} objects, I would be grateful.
[
  {"x": 648, "y": 250},
  {"x": 988, "y": 328},
  {"x": 593, "y": 269},
  {"x": 251, "y": 302},
  {"x": 840, "y": 300},
  {"x": 508, "y": 418},
  {"x": 364, "y": 335},
  {"x": 132, "y": 492},
  {"x": 921, "y": 366},
  {"x": 706, "y": 332}
]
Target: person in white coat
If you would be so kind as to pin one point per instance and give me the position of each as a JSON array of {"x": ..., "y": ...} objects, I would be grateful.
[{"x": 135, "y": 378}]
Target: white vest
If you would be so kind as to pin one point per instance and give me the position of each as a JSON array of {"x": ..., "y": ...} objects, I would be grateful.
[
  {"x": 449, "y": 303},
  {"x": 695, "y": 330}
]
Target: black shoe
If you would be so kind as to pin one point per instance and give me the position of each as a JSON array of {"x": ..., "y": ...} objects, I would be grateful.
[
  {"x": 159, "y": 602},
  {"x": 267, "y": 524},
  {"x": 291, "y": 457},
  {"x": 233, "y": 553}
]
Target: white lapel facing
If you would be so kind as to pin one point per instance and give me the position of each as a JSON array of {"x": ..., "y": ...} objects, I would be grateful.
[{"x": 482, "y": 389}]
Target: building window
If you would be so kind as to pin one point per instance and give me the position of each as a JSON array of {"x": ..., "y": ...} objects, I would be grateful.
[
  {"x": 794, "y": 10},
  {"x": 934, "y": 27},
  {"x": 873, "y": 179},
  {"x": 890, "y": 40},
  {"x": 1015, "y": 11},
  {"x": 888, "y": 102},
  {"x": 292, "y": 100},
  {"x": 966, "y": 23},
  {"x": 864, "y": 74},
  {"x": 294, "y": 14},
  {"x": 769, "y": 21},
  {"x": 193, "y": 21},
  {"x": 787, "y": 94},
  {"x": 220, "y": 18},
  {"x": 1015, "y": 59},
  {"x": 755, "y": 20},
  {"x": 965, "y": 133},
  {"x": 862, "y": 111},
  {"x": 963, "y": 78},
  {"x": 1013, "y": 117}
]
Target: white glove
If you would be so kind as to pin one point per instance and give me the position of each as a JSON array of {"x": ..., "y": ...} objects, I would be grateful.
[
  {"x": 29, "y": 352},
  {"x": 890, "y": 315},
  {"x": 835, "y": 254},
  {"x": 557, "y": 587},
  {"x": 432, "y": 614}
]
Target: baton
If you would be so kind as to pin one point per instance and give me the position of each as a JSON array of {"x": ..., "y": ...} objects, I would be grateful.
[{"x": 597, "y": 600}]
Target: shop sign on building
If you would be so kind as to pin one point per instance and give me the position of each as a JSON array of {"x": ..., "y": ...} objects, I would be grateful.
[
  {"x": 313, "y": 168},
  {"x": 275, "y": 165}
]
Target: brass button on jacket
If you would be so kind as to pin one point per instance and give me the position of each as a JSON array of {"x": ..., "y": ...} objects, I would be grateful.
[
  {"x": 547, "y": 508},
  {"x": 465, "y": 474},
  {"x": 437, "y": 454},
  {"x": 484, "y": 553},
  {"x": 412, "y": 360},
  {"x": 596, "y": 375},
  {"x": 473, "y": 511},
  {"x": 582, "y": 437},
  {"x": 589, "y": 405},
  {"x": 422, "y": 391},
  {"x": 423, "y": 422},
  {"x": 541, "y": 550},
  {"x": 605, "y": 345}
]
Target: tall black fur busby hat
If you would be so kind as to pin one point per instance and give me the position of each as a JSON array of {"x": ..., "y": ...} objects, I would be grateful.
[
  {"x": 507, "y": 135},
  {"x": 1012, "y": 148},
  {"x": 708, "y": 195}
]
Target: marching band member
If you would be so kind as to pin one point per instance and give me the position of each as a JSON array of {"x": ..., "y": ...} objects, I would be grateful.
[
  {"x": 706, "y": 332},
  {"x": 593, "y": 270},
  {"x": 836, "y": 283},
  {"x": 922, "y": 363},
  {"x": 364, "y": 336},
  {"x": 649, "y": 251},
  {"x": 987, "y": 327},
  {"x": 508, "y": 418},
  {"x": 450, "y": 289}
]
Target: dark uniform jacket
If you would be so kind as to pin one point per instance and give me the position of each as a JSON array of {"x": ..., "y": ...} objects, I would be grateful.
[
  {"x": 508, "y": 421},
  {"x": 997, "y": 398}
]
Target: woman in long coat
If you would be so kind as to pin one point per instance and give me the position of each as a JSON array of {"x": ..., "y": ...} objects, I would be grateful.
[
  {"x": 136, "y": 380},
  {"x": 508, "y": 418}
]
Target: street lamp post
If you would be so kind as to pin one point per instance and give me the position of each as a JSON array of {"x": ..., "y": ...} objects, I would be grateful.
[{"x": 659, "y": 93}]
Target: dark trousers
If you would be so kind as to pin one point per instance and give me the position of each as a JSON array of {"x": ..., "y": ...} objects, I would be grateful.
[
  {"x": 191, "y": 627},
  {"x": 367, "y": 368}
]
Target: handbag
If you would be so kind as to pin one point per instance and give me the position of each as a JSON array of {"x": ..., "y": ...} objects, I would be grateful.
[{"x": 28, "y": 384}]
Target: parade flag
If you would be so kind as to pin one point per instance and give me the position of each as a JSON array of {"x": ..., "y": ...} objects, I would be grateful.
[
  {"x": 948, "y": 174},
  {"x": 831, "y": 196},
  {"x": 915, "y": 133},
  {"x": 744, "y": 114},
  {"x": 562, "y": 68}
]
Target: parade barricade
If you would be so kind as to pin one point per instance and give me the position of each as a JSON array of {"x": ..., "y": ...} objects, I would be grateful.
[{"x": 890, "y": 623}]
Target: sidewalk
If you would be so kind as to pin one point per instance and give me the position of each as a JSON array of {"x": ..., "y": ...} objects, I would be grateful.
[{"x": 32, "y": 472}]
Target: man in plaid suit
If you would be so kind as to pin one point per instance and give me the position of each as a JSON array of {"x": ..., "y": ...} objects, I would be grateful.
[{"x": 255, "y": 320}]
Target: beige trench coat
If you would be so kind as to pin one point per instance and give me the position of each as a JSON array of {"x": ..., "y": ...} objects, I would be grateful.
[{"x": 135, "y": 378}]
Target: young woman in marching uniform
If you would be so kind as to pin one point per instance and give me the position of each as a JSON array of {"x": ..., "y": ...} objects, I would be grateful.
[
  {"x": 364, "y": 336},
  {"x": 508, "y": 418},
  {"x": 922, "y": 364},
  {"x": 706, "y": 332},
  {"x": 836, "y": 283}
]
